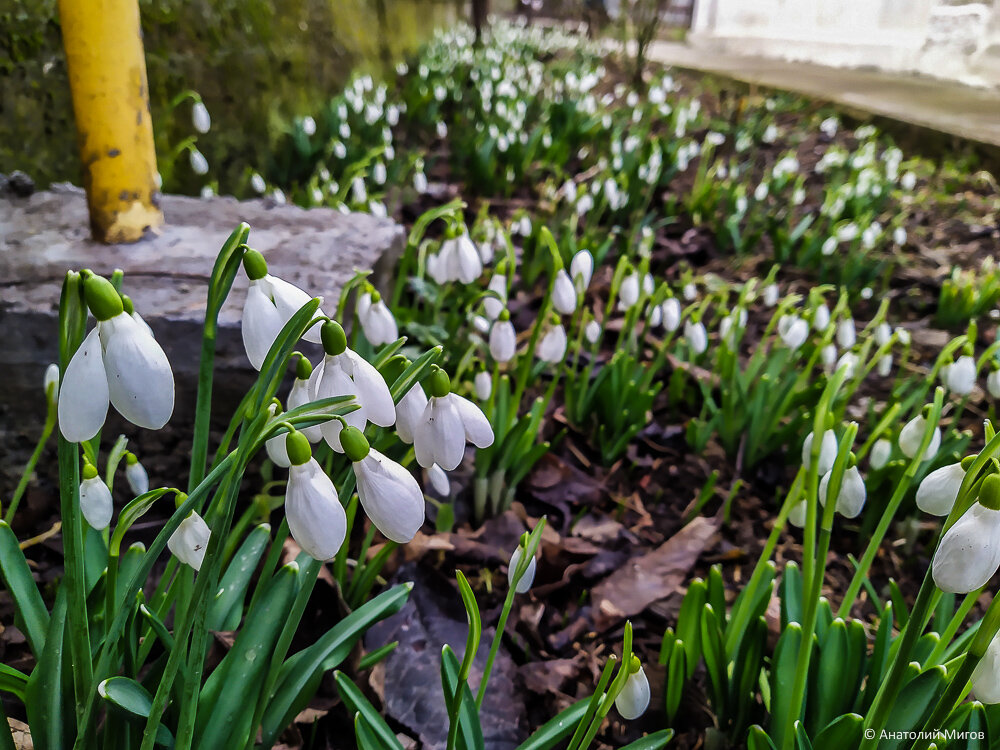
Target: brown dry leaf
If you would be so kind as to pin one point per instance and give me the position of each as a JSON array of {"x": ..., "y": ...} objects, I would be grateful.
[
  {"x": 22, "y": 735},
  {"x": 423, "y": 543},
  {"x": 550, "y": 677},
  {"x": 652, "y": 576},
  {"x": 597, "y": 529}
]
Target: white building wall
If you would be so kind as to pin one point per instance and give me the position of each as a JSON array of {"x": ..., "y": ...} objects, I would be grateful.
[{"x": 951, "y": 39}]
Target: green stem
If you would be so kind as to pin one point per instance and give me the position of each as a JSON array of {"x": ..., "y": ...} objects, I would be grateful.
[
  {"x": 495, "y": 646},
  {"x": 953, "y": 625}
]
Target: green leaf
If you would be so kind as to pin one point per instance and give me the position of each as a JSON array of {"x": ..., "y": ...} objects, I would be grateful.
[
  {"x": 714, "y": 654},
  {"x": 226, "y": 611},
  {"x": 844, "y": 731},
  {"x": 134, "y": 701},
  {"x": 758, "y": 739},
  {"x": 676, "y": 679},
  {"x": 801, "y": 737},
  {"x": 689, "y": 623},
  {"x": 652, "y": 742},
  {"x": 556, "y": 729},
  {"x": 13, "y": 681},
  {"x": 790, "y": 593},
  {"x": 301, "y": 673},
  {"x": 357, "y": 703},
  {"x": 914, "y": 703},
  {"x": 30, "y": 610},
  {"x": 44, "y": 695},
  {"x": 783, "y": 669},
  {"x": 470, "y": 733},
  {"x": 234, "y": 685},
  {"x": 830, "y": 673}
]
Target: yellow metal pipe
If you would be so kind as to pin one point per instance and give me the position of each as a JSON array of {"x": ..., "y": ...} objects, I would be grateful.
[{"x": 107, "y": 76}]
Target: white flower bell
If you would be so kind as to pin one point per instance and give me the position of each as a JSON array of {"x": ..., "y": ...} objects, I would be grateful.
[
  {"x": 563, "y": 293},
  {"x": 771, "y": 293},
  {"x": 938, "y": 491},
  {"x": 827, "y": 452},
  {"x": 119, "y": 362},
  {"x": 852, "y": 496},
  {"x": 846, "y": 335},
  {"x": 389, "y": 493},
  {"x": 524, "y": 583},
  {"x": 190, "y": 541},
  {"x": 993, "y": 383},
  {"x": 581, "y": 270},
  {"x": 135, "y": 475},
  {"x": 271, "y": 302},
  {"x": 447, "y": 423},
  {"x": 986, "y": 675},
  {"x": 969, "y": 552},
  {"x": 315, "y": 515},
  {"x": 457, "y": 260},
  {"x": 95, "y": 499},
  {"x": 552, "y": 347},
  {"x": 491, "y": 305},
  {"x": 482, "y": 384},
  {"x": 696, "y": 336},
  {"x": 301, "y": 394},
  {"x": 409, "y": 410},
  {"x": 671, "y": 308},
  {"x": 793, "y": 331},
  {"x": 961, "y": 375},
  {"x": 592, "y": 331},
  {"x": 438, "y": 479},
  {"x": 880, "y": 453},
  {"x": 200, "y": 118},
  {"x": 911, "y": 435},
  {"x": 633, "y": 700},
  {"x": 345, "y": 373},
  {"x": 503, "y": 339},
  {"x": 376, "y": 320}
]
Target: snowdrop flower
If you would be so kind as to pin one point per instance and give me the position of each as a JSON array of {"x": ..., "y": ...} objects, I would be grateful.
[
  {"x": 908, "y": 181},
  {"x": 345, "y": 373},
  {"x": 881, "y": 451},
  {"x": 628, "y": 293},
  {"x": 308, "y": 126},
  {"x": 829, "y": 127},
  {"x": 376, "y": 320},
  {"x": 690, "y": 291},
  {"x": 448, "y": 421},
  {"x": 301, "y": 394},
  {"x": 563, "y": 293},
  {"x": 199, "y": 164},
  {"x": 481, "y": 324},
  {"x": 190, "y": 541},
  {"x": 438, "y": 479},
  {"x": 258, "y": 184},
  {"x": 592, "y": 332},
  {"x": 821, "y": 318},
  {"x": 457, "y": 260},
  {"x": 846, "y": 335},
  {"x": 409, "y": 410},
  {"x": 829, "y": 357},
  {"x": 503, "y": 339},
  {"x": 200, "y": 118},
  {"x": 50, "y": 382},
  {"x": 986, "y": 675},
  {"x": 95, "y": 499},
  {"x": 899, "y": 236},
  {"x": 829, "y": 246},
  {"x": 135, "y": 475},
  {"x": 795, "y": 332},
  {"x": 771, "y": 295},
  {"x": 969, "y": 552},
  {"x": 852, "y": 495},
  {"x": 993, "y": 383},
  {"x": 633, "y": 700},
  {"x": 581, "y": 270},
  {"x": 696, "y": 336},
  {"x": 671, "y": 308},
  {"x": 827, "y": 452},
  {"x": 961, "y": 375},
  {"x": 911, "y": 435},
  {"x": 389, "y": 493},
  {"x": 483, "y": 385},
  {"x": 119, "y": 362},
  {"x": 552, "y": 347},
  {"x": 524, "y": 583},
  {"x": 491, "y": 305},
  {"x": 797, "y": 515},
  {"x": 883, "y": 333},
  {"x": 316, "y": 518},
  {"x": 849, "y": 361},
  {"x": 938, "y": 491},
  {"x": 271, "y": 302},
  {"x": 885, "y": 366}
]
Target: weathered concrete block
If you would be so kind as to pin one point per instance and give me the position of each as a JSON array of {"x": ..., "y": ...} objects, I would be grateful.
[{"x": 43, "y": 236}]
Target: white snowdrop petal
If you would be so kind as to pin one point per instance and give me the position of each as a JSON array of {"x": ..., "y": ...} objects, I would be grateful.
[
  {"x": 911, "y": 435},
  {"x": 986, "y": 675},
  {"x": 968, "y": 554},
  {"x": 140, "y": 382},
  {"x": 440, "y": 437},
  {"x": 335, "y": 382},
  {"x": 277, "y": 451},
  {"x": 298, "y": 396},
  {"x": 95, "y": 503},
  {"x": 83, "y": 395},
  {"x": 190, "y": 541},
  {"x": 528, "y": 578},
  {"x": 563, "y": 293},
  {"x": 316, "y": 519},
  {"x": 372, "y": 391},
  {"x": 390, "y": 496},
  {"x": 827, "y": 451},
  {"x": 438, "y": 479},
  {"x": 633, "y": 700},
  {"x": 478, "y": 430},
  {"x": 409, "y": 410},
  {"x": 289, "y": 299},
  {"x": 137, "y": 478},
  {"x": 938, "y": 491},
  {"x": 503, "y": 341},
  {"x": 261, "y": 324},
  {"x": 880, "y": 453}
]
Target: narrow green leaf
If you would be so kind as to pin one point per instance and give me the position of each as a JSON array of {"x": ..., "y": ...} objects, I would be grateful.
[
  {"x": 357, "y": 703},
  {"x": 28, "y": 605}
]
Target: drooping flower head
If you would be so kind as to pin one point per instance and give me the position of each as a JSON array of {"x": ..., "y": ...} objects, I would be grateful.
[
  {"x": 852, "y": 495},
  {"x": 911, "y": 435},
  {"x": 522, "y": 584},
  {"x": 969, "y": 552},
  {"x": 95, "y": 499},
  {"x": 447, "y": 422},
  {"x": 316, "y": 518},
  {"x": 633, "y": 700},
  {"x": 189, "y": 542},
  {"x": 503, "y": 338},
  {"x": 376, "y": 319},
  {"x": 135, "y": 475},
  {"x": 119, "y": 363},
  {"x": 938, "y": 491}
]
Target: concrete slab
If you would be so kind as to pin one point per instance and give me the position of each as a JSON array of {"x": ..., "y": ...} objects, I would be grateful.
[
  {"x": 947, "y": 107},
  {"x": 46, "y": 234}
]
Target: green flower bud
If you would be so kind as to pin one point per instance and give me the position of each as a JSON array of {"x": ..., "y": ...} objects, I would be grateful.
[
  {"x": 354, "y": 443},
  {"x": 439, "y": 383},
  {"x": 303, "y": 369},
  {"x": 297, "y": 447},
  {"x": 989, "y": 493},
  {"x": 102, "y": 297},
  {"x": 334, "y": 338},
  {"x": 254, "y": 264}
]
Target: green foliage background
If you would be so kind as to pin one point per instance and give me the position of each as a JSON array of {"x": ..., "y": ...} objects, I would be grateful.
[{"x": 256, "y": 64}]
